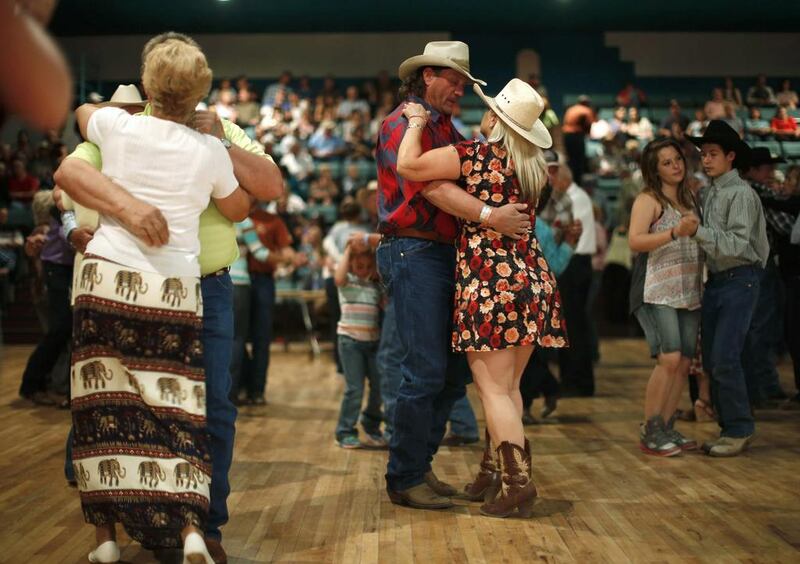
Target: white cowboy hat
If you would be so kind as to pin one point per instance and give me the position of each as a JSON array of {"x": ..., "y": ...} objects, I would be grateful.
[
  {"x": 450, "y": 54},
  {"x": 125, "y": 95},
  {"x": 519, "y": 106}
]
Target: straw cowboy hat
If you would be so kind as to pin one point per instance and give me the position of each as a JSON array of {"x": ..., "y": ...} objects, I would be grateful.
[
  {"x": 519, "y": 106},
  {"x": 450, "y": 54},
  {"x": 125, "y": 95}
]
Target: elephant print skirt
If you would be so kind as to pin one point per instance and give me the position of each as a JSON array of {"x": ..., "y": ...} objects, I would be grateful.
[{"x": 140, "y": 451}]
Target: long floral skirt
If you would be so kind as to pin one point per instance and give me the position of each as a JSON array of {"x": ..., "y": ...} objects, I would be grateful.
[{"x": 140, "y": 451}]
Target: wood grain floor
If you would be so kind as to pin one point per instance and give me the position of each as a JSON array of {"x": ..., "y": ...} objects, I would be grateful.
[{"x": 298, "y": 498}]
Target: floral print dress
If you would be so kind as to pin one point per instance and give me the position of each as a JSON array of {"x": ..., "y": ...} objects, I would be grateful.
[{"x": 506, "y": 295}]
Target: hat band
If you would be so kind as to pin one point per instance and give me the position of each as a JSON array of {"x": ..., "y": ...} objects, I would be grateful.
[{"x": 511, "y": 119}]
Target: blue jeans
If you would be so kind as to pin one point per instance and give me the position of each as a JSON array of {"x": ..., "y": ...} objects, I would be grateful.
[
  {"x": 262, "y": 304},
  {"x": 359, "y": 361},
  {"x": 462, "y": 419},
  {"x": 759, "y": 355},
  {"x": 420, "y": 276},
  {"x": 220, "y": 412},
  {"x": 728, "y": 305},
  {"x": 390, "y": 355},
  {"x": 241, "y": 320}
]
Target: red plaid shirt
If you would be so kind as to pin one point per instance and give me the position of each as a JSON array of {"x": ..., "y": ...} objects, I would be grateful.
[{"x": 400, "y": 203}]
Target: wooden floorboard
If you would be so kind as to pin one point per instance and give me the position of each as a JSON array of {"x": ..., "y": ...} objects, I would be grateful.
[{"x": 296, "y": 497}]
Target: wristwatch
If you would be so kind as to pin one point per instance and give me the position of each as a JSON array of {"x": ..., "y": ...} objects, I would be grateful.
[{"x": 226, "y": 143}]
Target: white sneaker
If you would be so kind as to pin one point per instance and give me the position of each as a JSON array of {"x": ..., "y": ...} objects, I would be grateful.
[
  {"x": 106, "y": 552},
  {"x": 195, "y": 551}
]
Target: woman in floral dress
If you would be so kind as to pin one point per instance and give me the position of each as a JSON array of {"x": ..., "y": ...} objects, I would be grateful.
[{"x": 506, "y": 300}]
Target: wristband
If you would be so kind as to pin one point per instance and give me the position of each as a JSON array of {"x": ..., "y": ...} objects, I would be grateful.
[
  {"x": 68, "y": 223},
  {"x": 486, "y": 212},
  {"x": 366, "y": 240}
]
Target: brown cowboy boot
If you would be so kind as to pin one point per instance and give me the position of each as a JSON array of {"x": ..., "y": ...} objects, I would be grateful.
[
  {"x": 517, "y": 491},
  {"x": 487, "y": 481}
]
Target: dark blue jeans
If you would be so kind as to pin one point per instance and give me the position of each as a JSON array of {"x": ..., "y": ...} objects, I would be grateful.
[
  {"x": 390, "y": 355},
  {"x": 760, "y": 346},
  {"x": 462, "y": 419},
  {"x": 241, "y": 323},
  {"x": 220, "y": 412},
  {"x": 420, "y": 276},
  {"x": 359, "y": 361},
  {"x": 728, "y": 305},
  {"x": 262, "y": 304}
]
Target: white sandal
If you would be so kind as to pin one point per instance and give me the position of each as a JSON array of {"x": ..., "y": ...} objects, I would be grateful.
[
  {"x": 195, "y": 551},
  {"x": 106, "y": 552}
]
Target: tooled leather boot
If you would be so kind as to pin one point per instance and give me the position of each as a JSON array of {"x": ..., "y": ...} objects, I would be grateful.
[
  {"x": 517, "y": 490},
  {"x": 487, "y": 481}
]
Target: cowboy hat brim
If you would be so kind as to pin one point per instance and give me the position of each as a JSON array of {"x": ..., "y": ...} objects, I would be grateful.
[
  {"x": 538, "y": 135},
  {"x": 408, "y": 66},
  {"x": 738, "y": 146}
]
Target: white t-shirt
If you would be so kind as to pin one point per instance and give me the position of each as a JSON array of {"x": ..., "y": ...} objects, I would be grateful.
[
  {"x": 169, "y": 166},
  {"x": 582, "y": 210}
]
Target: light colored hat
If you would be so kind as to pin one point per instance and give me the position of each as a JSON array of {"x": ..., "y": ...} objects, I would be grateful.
[
  {"x": 125, "y": 95},
  {"x": 519, "y": 106},
  {"x": 451, "y": 54}
]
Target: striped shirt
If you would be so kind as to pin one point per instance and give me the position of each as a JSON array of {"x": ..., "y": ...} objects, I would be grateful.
[
  {"x": 359, "y": 301},
  {"x": 734, "y": 231},
  {"x": 248, "y": 241}
]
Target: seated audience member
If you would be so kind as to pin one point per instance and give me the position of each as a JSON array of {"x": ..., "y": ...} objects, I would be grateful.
[
  {"x": 224, "y": 86},
  {"x": 304, "y": 90},
  {"x": 756, "y": 126},
  {"x": 618, "y": 126},
  {"x": 784, "y": 126},
  {"x": 325, "y": 144},
  {"x": 698, "y": 125},
  {"x": 731, "y": 94},
  {"x": 21, "y": 185},
  {"x": 271, "y": 91},
  {"x": 358, "y": 336},
  {"x": 299, "y": 165},
  {"x": 786, "y": 96},
  {"x": 352, "y": 103},
  {"x": 761, "y": 94},
  {"x": 324, "y": 189},
  {"x": 674, "y": 116},
  {"x": 225, "y": 107},
  {"x": 715, "y": 107},
  {"x": 733, "y": 120},
  {"x": 630, "y": 96},
  {"x": 247, "y": 111},
  {"x": 639, "y": 127},
  {"x": 309, "y": 260}
]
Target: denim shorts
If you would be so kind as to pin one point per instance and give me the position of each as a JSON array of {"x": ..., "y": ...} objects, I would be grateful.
[{"x": 668, "y": 329}]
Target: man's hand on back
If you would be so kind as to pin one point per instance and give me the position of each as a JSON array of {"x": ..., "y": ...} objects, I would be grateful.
[{"x": 511, "y": 220}]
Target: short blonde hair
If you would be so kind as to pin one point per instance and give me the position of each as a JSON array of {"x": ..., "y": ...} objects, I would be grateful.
[{"x": 176, "y": 77}]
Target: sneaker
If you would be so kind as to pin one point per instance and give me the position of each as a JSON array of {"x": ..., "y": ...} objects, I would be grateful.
[
  {"x": 677, "y": 437},
  {"x": 375, "y": 441},
  {"x": 349, "y": 441},
  {"x": 653, "y": 439},
  {"x": 729, "y": 446}
]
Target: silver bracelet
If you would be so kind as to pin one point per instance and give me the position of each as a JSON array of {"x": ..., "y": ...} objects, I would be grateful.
[
  {"x": 486, "y": 212},
  {"x": 416, "y": 126}
]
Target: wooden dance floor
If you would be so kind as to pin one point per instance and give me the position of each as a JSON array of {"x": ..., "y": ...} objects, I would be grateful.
[{"x": 296, "y": 497}]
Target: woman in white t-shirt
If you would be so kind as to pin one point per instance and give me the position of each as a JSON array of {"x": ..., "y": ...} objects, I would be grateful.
[{"x": 138, "y": 396}]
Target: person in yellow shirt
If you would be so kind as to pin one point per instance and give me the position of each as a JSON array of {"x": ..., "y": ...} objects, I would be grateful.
[{"x": 79, "y": 176}]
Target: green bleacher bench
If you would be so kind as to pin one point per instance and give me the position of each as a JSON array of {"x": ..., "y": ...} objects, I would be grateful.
[
  {"x": 791, "y": 150},
  {"x": 609, "y": 186},
  {"x": 593, "y": 148},
  {"x": 773, "y": 146},
  {"x": 472, "y": 116},
  {"x": 767, "y": 112}
]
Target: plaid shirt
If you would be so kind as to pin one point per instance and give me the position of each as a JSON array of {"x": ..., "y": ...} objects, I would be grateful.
[
  {"x": 400, "y": 203},
  {"x": 779, "y": 223}
]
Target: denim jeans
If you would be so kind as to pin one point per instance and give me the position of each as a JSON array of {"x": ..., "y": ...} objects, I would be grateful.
[
  {"x": 241, "y": 330},
  {"x": 420, "y": 276},
  {"x": 728, "y": 305},
  {"x": 262, "y": 304},
  {"x": 390, "y": 354},
  {"x": 575, "y": 362},
  {"x": 759, "y": 353},
  {"x": 220, "y": 412},
  {"x": 462, "y": 419},
  {"x": 359, "y": 361},
  {"x": 59, "y": 314}
]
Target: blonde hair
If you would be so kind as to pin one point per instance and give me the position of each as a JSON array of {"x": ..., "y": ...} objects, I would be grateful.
[
  {"x": 176, "y": 77},
  {"x": 529, "y": 164}
]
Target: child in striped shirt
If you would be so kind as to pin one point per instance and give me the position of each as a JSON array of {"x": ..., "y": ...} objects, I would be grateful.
[{"x": 359, "y": 335}]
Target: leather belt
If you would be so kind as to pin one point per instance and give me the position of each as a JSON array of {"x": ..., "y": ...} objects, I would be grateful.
[
  {"x": 417, "y": 234},
  {"x": 219, "y": 272}
]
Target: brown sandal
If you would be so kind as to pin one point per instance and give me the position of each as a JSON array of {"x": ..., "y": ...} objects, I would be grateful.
[{"x": 703, "y": 412}]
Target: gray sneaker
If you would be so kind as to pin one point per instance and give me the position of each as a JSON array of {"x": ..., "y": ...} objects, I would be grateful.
[
  {"x": 677, "y": 437},
  {"x": 653, "y": 438}
]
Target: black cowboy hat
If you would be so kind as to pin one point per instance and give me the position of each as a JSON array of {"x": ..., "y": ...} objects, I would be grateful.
[
  {"x": 762, "y": 155},
  {"x": 722, "y": 134}
]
